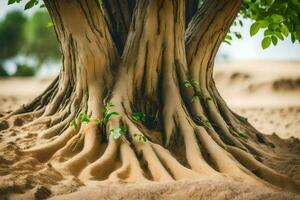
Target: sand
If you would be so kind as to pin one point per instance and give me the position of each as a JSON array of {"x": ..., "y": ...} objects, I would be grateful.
[{"x": 267, "y": 93}]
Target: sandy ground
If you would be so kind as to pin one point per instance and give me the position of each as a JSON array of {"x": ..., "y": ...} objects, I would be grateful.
[
  {"x": 267, "y": 93},
  {"x": 268, "y": 96}
]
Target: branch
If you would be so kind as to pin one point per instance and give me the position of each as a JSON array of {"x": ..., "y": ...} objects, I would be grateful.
[{"x": 208, "y": 28}]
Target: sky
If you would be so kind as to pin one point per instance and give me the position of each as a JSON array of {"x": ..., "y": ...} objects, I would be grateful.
[{"x": 248, "y": 48}]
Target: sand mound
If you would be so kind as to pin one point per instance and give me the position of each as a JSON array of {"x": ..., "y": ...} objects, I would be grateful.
[
  {"x": 287, "y": 84},
  {"x": 216, "y": 188}
]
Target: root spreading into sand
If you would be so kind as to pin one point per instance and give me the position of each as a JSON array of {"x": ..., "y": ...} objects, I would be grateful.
[{"x": 23, "y": 176}]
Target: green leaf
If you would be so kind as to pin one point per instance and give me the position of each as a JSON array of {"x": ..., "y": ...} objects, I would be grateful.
[
  {"x": 293, "y": 38},
  {"x": 268, "y": 32},
  {"x": 84, "y": 118},
  {"x": 187, "y": 84},
  {"x": 206, "y": 98},
  {"x": 98, "y": 121},
  {"x": 237, "y": 35},
  {"x": 284, "y": 30},
  {"x": 263, "y": 23},
  {"x": 279, "y": 35},
  {"x": 274, "y": 40},
  {"x": 241, "y": 23},
  {"x": 30, "y": 4},
  {"x": 266, "y": 42},
  {"x": 49, "y": 25},
  {"x": 11, "y": 2},
  {"x": 123, "y": 129},
  {"x": 205, "y": 122},
  {"x": 254, "y": 28},
  {"x": 138, "y": 116},
  {"x": 43, "y": 6},
  {"x": 277, "y": 18},
  {"x": 194, "y": 98},
  {"x": 118, "y": 132},
  {"x": 194, "y": 83},
  {"x": 141, "y": 137},
  {"x": 108, "y": 116},
  {"x": 73, "y": 124},
  {"x": 228, "y": 37},
  {"x": 242, "y": 134},
  {"x": 227, "y": 42},
  {"x": 107, "y": 108}
]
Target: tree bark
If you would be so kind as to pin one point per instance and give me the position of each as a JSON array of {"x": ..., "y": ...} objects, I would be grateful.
[{"x": 137, "y": 54}]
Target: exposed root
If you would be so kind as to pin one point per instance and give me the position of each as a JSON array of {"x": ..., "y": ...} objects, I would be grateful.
[
  {"x": 89, "y": 153},
  {"x": 130, "y": 171},
  {"x": 104, "y": 165},
  {"x": 263, "y": 171},
  {"x": 177, "y": 171},
  {"x": 44, "y": 152},
  {"x": 148, "y": 79}
]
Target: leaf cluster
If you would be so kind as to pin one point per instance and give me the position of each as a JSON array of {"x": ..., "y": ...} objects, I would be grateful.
[
  {"x": 277, "y": 18},
  {"x": 28, "y": 5},
  {"x": 197, "y": 91},
  {"x": 107, "y": 113}
]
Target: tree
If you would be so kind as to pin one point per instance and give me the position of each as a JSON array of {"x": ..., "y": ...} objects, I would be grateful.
[
  {"x": 36, "y": 33},
  {"x": 11, "y": 37},
  {"x": 149, "y": 64}
]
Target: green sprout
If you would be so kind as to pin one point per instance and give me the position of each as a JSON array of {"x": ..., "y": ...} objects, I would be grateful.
[
  {"x": 243, "y": 135},
  {"x": 107, "y": 113},
  {"x": 73, "y": 124},
  {"x": 141, "y": 137},
  {"x": 118, "y": 132},
  {"x": 138, "y": 116},
  {"x": 84, "y": 118},
  {"x": 197, "y": 92},
  {"x": 205, "y": 122}
]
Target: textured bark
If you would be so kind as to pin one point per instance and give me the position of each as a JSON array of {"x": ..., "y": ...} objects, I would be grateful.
[
  {"x": 118, "y": 15},
  {"x": 137, "y": 54}
]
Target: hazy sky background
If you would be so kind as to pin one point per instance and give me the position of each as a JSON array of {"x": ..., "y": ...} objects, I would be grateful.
[{"x": 245, "y": 49}]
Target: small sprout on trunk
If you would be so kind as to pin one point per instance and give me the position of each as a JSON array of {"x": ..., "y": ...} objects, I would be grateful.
[
  {"x": 98, "y": 121},
  {"x": 205, "y": 122},
  {"x": 73, "y": 124},
  {"x": 141, "y": 137},
  {"x": 84, "y": 118},
  {"x": 197, "y": 92},
  {"x": 118, "y": 132},
  {"x": 107, "y": 112},
  {"x": 108, "y": 116},
  {"x": 191, "y": 83},
  {"x": 107, "y": 107},
  {"x": 243, "y": 135},
  {"x": 138, "y": 116},
  {"x": 201, "y": 96}
]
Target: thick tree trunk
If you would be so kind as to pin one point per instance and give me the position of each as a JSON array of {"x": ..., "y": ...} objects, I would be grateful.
[{"x": 186, "y": 140}]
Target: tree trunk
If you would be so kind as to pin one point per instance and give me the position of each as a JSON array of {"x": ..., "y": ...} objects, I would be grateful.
[{"x": 137, "y": 55}]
